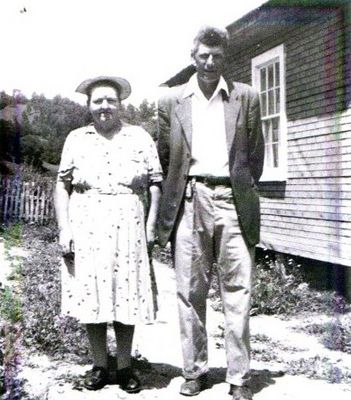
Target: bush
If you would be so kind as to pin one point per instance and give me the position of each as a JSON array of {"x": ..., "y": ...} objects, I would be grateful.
[
  {"x": 44, "y": 328},
  {"x": 337, "y": 336},
  {"x": 279, "y": 288},
  {"x": 11, "y": 315}
]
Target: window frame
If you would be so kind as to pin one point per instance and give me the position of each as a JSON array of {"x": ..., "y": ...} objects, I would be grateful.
[{"x": 270, "y": 57}]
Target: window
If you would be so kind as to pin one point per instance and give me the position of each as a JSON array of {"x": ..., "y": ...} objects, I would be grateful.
[{"x": 268, "y": 77}]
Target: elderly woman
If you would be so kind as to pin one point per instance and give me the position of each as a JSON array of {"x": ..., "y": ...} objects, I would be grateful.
[{"x": 106, "y": 199}]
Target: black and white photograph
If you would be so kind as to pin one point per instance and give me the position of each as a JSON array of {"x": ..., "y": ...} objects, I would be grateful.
[{"x": 175, "y": 199}]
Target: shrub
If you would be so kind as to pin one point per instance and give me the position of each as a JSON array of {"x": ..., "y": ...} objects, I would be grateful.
[
  {"x": 10, "y": 306},
  {"x": 279, "y": 287},
  {"x": 276, "y": 285},
  {"x": 11, "y": 314},
  {"x": 44, "y": 328},
  {"x": 337, "y": 336}
]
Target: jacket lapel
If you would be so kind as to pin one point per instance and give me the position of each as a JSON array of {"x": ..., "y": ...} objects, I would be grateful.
[
  {"x": 184, "y": 114},
  {"x": 232, "y": 107},
  {"x": 231, "y": 112}
]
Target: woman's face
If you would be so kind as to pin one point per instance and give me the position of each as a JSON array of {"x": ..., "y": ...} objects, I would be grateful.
[{"x": 104, "y": 106}]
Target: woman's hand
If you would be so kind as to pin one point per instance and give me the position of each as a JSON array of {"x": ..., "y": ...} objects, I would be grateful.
[
  {"x": 150, "y": 236},
  {"x": 66, "y": 242}
]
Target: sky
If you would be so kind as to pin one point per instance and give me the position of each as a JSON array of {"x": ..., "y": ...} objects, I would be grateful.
[{"x": 50, "y": 46}]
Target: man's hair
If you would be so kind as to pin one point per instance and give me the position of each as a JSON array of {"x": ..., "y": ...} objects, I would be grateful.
[{"x": 210, "y": 36}]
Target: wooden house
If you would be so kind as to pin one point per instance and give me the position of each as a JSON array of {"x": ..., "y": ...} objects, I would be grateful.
[{"x": 297, "y": 54}]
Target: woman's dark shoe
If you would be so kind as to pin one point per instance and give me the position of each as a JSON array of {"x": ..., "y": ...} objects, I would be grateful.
[
  {"x": 128, "y": 381},
  {"x": 96, "y": 379}
]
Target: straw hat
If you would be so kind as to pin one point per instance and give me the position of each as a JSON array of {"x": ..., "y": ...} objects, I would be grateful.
[{"x": 121, "y": 84}]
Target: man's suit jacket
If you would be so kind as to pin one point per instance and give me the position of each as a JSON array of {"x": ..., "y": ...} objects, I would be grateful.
[{"x": 245, "y": 151}]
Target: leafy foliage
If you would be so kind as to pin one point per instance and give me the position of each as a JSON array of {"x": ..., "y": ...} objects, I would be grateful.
[
  {"x": 10, "y": 306},
  {"x": 144, "y": 116},
  {"x": 38, "y": 126},
  {"x": 11, "y": 314},
  {"x": 279, "y": 288},
  {"x": 44, "y": 328},
  {"x": 47, "y": 122},
  {"x": 335, "y": 334},
  {"x": 9, "y": 141}
]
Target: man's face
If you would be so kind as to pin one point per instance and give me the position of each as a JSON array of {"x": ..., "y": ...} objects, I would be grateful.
[
  {"x": 104, "y": 106},
  {"x": 209, "y": 62}
]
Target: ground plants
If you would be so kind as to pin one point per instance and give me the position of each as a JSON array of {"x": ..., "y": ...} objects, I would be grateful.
[
  {"x": 44, "y": 328},
  {"x": 11, "y": 317},
  {"x": 334, "y": 334},
  {"x": 279, "y": 287}
]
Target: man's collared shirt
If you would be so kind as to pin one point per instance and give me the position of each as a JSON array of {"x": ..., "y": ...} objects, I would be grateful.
[{"x": 209, "y": 145}]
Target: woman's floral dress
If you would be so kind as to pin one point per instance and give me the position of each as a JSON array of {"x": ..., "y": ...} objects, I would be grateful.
[{"x": 110, "y": 278}]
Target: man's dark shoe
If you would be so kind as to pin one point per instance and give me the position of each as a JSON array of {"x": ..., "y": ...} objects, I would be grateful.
[
  {"x": 96, "y": 379},
  {"x": 192, "y": 387},
  {"x": 128, "y": 381},
  {"x": 240, "y": 392}
]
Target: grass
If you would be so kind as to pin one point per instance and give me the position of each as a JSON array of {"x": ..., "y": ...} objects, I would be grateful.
[
  {"x": 334, "y": 334},
  {"x": 278, "y": 289},
  {"x": 11, "y": 318},
  {"x": 10, "y": 306},
  {"x": 44, "y": 328}
]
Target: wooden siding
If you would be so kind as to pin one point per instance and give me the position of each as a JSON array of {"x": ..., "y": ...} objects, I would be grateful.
[{"x": 309, "y": 215}]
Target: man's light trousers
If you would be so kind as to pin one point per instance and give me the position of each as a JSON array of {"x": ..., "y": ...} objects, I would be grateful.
[{"x": 208, "y": 232}]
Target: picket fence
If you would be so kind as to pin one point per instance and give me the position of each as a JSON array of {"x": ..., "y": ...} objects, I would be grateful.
[{"x": 26, "y": 201}]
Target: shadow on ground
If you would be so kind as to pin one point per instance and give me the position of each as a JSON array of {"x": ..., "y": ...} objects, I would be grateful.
[
  {"x": 260, "y": 379},
  {"x": 151, "y": 375}
]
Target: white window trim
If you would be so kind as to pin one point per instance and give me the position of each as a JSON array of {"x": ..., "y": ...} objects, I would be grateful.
[{"x": 280, "y": 173}]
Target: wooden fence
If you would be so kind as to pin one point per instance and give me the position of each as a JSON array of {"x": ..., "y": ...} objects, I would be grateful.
[{"x": 26, "y": 201}]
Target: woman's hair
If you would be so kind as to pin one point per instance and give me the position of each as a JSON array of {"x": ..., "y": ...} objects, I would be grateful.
[
  {"x": 102, "y": 83},
  {"x": 210, "y": 36}
]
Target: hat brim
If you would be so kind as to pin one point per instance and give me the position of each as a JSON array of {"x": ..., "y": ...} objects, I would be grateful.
[{"x": 121, "y": 84}]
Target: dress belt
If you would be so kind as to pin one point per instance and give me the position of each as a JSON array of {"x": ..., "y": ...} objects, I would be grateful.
[{"x": 211, "y": 180}]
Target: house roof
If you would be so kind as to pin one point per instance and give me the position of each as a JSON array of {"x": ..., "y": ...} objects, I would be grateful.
[
  {"x": 270, "y": 20},
  {"x": 277, "y": 16}
]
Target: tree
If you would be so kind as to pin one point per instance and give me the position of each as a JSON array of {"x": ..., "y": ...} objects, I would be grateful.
[
  {"x": 148, "y": 117},
  {"x": 52, "y": 120},
  {"x": 32, "y": 150},
  {"x": 9, "y": 148},
  {"x": 5, "y": 100},
  {"x": 147, "y": 111},
  {"x": 39, "y": 134}
]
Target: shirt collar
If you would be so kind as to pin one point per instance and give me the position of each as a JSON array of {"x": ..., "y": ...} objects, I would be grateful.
[
  {"x": 89, "y": 129},
  {"x": 192, "y": 87}
]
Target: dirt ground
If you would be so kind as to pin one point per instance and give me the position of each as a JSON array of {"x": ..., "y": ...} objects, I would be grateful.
[{"x": 279, "y": 351}]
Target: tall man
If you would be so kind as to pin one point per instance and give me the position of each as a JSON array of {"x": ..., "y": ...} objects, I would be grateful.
[{"x": 212, "y": 150}]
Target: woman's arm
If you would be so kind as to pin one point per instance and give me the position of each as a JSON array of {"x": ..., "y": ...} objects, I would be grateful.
[
  {"x": 61, "y": 198},
  {"x": 155, "y": 195}
]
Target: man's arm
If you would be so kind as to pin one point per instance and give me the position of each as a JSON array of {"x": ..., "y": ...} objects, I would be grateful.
[
  {"x": 256, "y": 140},
  {"x": 164, "y": 127}
]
